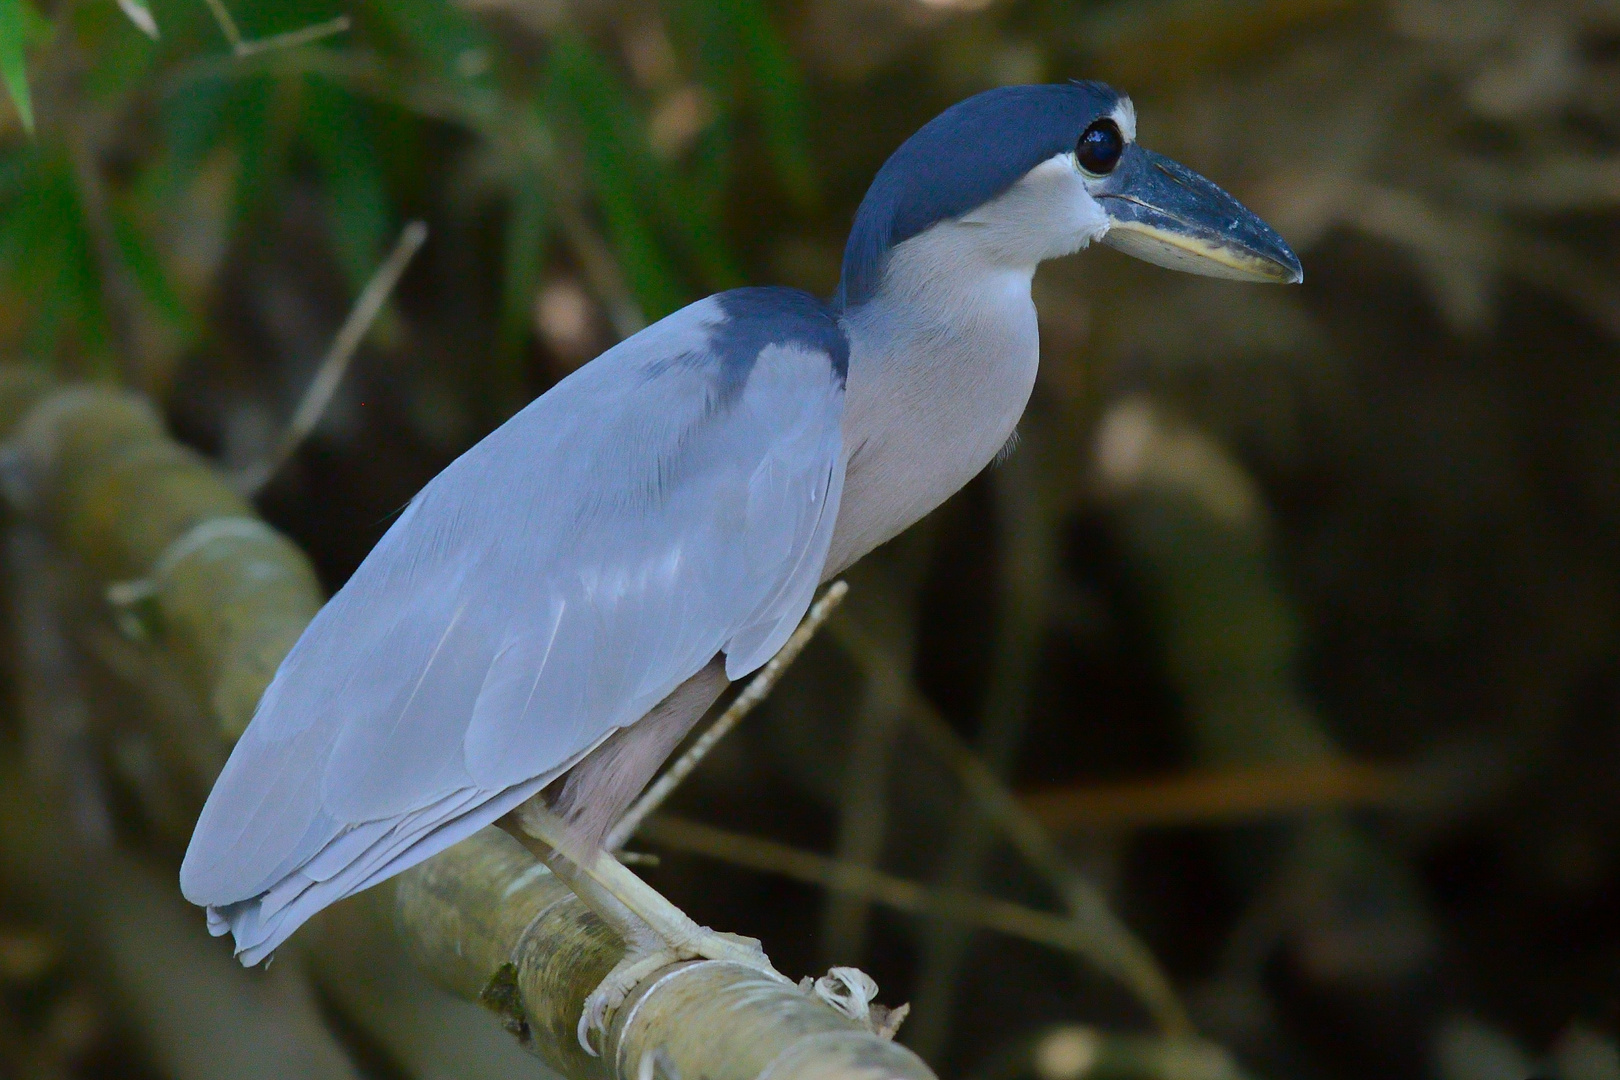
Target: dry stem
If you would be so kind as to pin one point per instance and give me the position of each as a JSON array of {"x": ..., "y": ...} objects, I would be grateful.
[{"x": 754, "y": 693}]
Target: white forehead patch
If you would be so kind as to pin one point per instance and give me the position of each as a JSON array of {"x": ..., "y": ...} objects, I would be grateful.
[{"x": 1124, "y": 115}]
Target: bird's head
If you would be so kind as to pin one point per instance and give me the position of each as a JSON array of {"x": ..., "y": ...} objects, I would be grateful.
[{"x": 1026, "y": 173}]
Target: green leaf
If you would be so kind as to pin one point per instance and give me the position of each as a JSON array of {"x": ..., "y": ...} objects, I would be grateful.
[
  {"x": 337, "y": 131},
  {"x": 744, "y": 61},
  {"x": 644, "y": 200},
  {"x": 14, "y": 25},
  {"x": 781, "y": 98},
  {"x": 580, "y": 89},
  {"x": 441, "y": 33},
  {"x": 140, "y": 258},
  {"x": 525, "y": 254},
  {"x": 46, "y": 254}
]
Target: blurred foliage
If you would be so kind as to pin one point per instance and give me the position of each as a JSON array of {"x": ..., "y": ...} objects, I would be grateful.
[
  {"x": 154, "y": 156},
  {"x": 1371, "y": 521}
]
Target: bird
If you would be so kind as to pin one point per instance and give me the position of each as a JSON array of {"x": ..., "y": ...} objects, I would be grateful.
[{"x": 551, "y": 614}]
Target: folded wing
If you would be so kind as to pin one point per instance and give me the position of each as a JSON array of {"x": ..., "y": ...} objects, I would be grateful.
[{"x": 671, "y": 500}]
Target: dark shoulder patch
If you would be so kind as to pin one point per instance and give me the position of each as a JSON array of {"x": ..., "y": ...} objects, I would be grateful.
[
  {"x": 750, "y": 320},
  {"x": 963, "y": 158},
  {"x": 761, "y": 316}
]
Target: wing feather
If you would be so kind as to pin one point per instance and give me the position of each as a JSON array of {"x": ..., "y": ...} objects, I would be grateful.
[{"x": 671, "y": 500}]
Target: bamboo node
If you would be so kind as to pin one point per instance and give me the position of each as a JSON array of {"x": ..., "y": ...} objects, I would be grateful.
[{"x": 134, "y": 603}]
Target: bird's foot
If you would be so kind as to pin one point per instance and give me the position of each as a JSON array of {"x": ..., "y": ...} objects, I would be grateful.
[
  {"x": 644, "y": 958},
  {"x": 733, "y": 949},
  {"x": 610, "y": 994}
]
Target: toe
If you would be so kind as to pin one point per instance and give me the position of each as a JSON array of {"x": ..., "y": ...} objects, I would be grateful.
[
  {"x": 735, "y": 949},
  {"x": 615, "y": 988},
  {"x": 751, "y": 943},
  {"x": 594, "y": 1018}
]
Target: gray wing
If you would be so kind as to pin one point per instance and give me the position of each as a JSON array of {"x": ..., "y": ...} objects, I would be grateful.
[{"x": 671, "y": 500}]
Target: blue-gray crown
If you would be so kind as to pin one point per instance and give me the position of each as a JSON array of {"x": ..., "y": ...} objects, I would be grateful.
[{"x": 963, "y": 158}]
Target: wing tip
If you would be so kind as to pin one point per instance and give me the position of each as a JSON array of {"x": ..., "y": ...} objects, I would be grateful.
[
  {"x": 261, "y": 922},
  {"x": 256, "y": 937},
  {"x": 207, "y": 881}
]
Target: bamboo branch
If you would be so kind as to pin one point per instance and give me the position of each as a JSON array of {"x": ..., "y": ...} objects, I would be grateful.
[
  {"x": 493, "y": 925},
  {"x": 210, "y": 593},
  {"x": 186, "y": 563},
  {"x": 355, "y": 951}
]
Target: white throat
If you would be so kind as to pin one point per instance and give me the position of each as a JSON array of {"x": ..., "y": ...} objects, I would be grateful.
[
  {"x": 942, "y": 360},
  {"x": 941, "y": 365}
]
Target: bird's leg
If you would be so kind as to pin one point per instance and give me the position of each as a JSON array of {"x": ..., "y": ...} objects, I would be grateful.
[{"x": 655, "y": 932}]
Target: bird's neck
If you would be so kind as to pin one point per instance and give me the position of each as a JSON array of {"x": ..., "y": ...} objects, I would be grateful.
[{"x": 942, "y": 361}]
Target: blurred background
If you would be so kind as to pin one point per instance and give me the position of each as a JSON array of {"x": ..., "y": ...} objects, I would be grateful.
[{"x": 1291, "y": 623}]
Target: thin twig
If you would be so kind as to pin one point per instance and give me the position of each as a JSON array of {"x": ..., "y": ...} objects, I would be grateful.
[
  {"x": 242, "y": 47},
  {"x": 863, "y": 812},
  {"x": 754, "y": 693},
  {"x": 1025, "y": 567},
  {"x": 293, "y": 38},
  {"x": 1113, "y": 947},
  {"x": 601, "y": 269},
  {"x": 771, "y": 857},
  {"x": 336, "y": 362}
]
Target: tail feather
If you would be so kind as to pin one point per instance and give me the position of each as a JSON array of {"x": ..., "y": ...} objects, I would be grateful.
[{"x": 261, "y": 923}]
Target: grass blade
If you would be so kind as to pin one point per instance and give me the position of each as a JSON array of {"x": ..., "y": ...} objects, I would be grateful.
[
  {"x": 525, "y": 251},
  {"x": 14, "y": 58},
  {"x": 338, "y": 134},
  {"x": 581, "y": 89},
  {"x": 780, "y": 99},
  {"x": 141, "y": 15}
]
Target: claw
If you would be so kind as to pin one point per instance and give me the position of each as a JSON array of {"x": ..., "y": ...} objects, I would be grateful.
[
  {"x": 612, "y": 991},
  {"x": 655, "y": 932}
]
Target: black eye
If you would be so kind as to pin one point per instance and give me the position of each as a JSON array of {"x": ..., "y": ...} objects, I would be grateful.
[{"x": 1099, "y": 147}]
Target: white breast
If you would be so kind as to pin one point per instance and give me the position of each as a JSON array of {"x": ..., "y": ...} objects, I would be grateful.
[{"x": 941, "y": 366}]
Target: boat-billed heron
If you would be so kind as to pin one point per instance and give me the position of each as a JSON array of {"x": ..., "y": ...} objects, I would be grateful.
[{"x": 554, "y": 611}]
